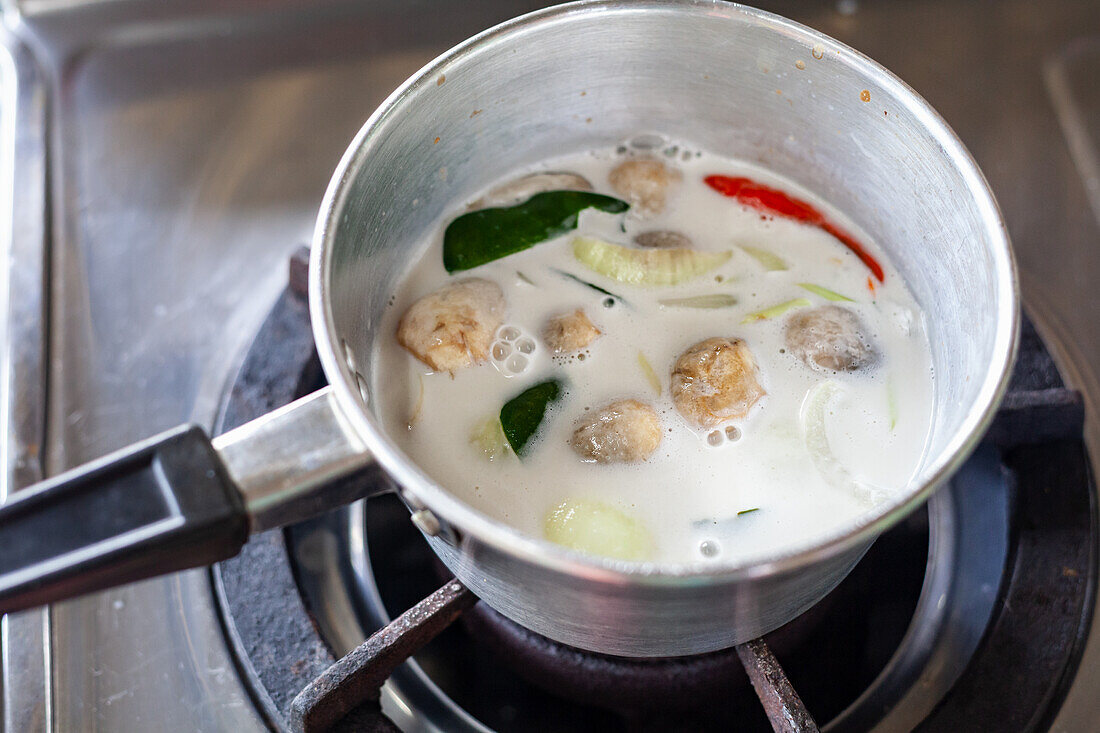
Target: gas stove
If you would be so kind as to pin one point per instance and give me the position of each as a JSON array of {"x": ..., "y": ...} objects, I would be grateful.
[
  {"x": 995, "y": 575},
  {"x": 166, "y": 161}
]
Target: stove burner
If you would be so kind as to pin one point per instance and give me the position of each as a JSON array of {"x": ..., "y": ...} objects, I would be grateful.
[
  {"x": 854, "y": 631},
  {"x": 995, "y": 577},
  {"x": 356, "y": 680}
]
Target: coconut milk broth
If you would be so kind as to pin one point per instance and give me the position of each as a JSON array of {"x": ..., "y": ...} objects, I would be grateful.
[{"x": 689, "y": 492}]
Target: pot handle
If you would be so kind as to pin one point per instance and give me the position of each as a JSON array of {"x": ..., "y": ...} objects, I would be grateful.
[{"x": 178, "y": 500}]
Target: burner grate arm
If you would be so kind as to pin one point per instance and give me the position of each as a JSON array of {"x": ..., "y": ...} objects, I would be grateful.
[
  {"x": 358, "y": 677},
  {"x": 784, "y": 707}
]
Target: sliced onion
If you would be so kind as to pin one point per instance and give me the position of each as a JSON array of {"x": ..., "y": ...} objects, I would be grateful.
[
  {"x": 647, "y": 267},
  {"x": 649, "y": 373},
  {"x": 812, "y": 421}
]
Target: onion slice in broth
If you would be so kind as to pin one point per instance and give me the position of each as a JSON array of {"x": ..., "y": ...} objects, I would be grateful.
[{"x": 812, "y": 423}]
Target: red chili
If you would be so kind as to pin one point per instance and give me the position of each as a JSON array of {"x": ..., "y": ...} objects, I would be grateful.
[{"x": 773, "y": 201}]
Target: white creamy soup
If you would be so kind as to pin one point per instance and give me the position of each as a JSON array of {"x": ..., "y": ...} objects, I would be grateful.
[{"x": 736, "y": 384}]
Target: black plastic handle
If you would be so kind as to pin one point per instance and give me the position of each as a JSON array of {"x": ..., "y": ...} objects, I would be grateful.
[{"x": 162, "y": 505}]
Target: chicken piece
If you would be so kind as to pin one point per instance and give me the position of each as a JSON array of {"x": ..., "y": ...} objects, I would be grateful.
[
  {"x": 569, "y": 332},
  {"x": 521, "y": 189},
  {"x": 453, "y": 327},
  {"x": 714, "y": 381},
  {"x": 830, "y": 338},
  {"x": 625, "y": 431},
  {"x": 645, "y": 183},
  {"x": 663, "y": 240}
]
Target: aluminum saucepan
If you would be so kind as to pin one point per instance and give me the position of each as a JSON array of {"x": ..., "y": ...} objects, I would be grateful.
[{"x": 733, "y": 80}]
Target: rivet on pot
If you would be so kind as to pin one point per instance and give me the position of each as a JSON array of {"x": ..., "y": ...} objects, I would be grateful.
[
  {"x": 349, "y": 357},
  {"x": 361, "y": 381},
  {"x": 426, "y": 522}
]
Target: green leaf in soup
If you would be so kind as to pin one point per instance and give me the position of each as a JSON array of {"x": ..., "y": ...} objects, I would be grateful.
[
  {"x": 521, "y": 416},
  {"x": 593, "y": 286},
  {"x": 481, "y": 236},
  {"x": 650, "y": 267},
  {"x": 825, "y": 293}
]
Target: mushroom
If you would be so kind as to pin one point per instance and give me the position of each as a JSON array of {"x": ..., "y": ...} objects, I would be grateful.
[
  {"x": 521, "y": 189},
  {"x": 452, "y": 328},
  {"x": 715, "y": 381},
  {"x": 569, "y": 332},
  {"x": 830, "y": 338},
  {"x": 625, "y": 431},
  {"x": 645, "y": 183},
  {"x": 662, "y": 240}
]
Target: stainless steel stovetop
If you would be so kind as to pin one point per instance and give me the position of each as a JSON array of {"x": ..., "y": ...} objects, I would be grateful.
[{"x": 164, "y": 160}]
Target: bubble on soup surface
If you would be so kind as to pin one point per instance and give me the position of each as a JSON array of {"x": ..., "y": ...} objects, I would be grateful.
[
  {"x": 516, "y": 364},
  {"x": 709, "y": 548},
  {"x": 511, "y": 349},
  {"x": 647, "y": 141}
]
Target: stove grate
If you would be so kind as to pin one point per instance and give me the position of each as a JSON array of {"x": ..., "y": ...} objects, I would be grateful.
[{"x": 1042, "y": 613}]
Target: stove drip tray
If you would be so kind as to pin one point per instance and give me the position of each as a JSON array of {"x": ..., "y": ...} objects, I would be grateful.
[{"x": 929, "y": 632}]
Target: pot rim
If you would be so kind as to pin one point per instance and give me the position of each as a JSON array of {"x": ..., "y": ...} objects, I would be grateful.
[{"x": 418, "y": 487}]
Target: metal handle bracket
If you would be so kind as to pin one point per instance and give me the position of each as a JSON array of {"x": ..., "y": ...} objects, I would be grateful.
[{"x": 288, "y": 464}]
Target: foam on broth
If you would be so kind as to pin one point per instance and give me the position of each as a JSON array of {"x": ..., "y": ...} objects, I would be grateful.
[{"x": 689, "y": 492}]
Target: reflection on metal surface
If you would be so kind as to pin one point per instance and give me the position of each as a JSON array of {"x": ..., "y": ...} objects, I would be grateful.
[
  {"x": 286, "y": 462},
  {"x": 968, "y": 539},
  {"x": 1071, "y": 80},
  {"x": 192, "y": 143},
  {"x": 24, "y": 637}
]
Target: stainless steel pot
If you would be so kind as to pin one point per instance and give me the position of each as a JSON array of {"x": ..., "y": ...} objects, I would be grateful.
[{"x": 733, "y": 80}]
